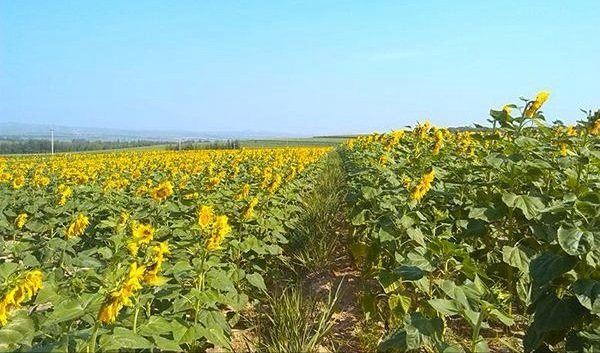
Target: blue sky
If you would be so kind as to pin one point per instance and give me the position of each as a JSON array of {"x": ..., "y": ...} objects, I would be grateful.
[{"x": 304, "y": 67}]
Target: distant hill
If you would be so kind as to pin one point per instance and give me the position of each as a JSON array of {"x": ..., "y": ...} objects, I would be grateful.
[{"x": 12, "y": 130}]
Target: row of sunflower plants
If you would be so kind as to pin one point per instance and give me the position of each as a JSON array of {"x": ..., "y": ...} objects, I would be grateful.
[
  {"x": 481, "y": 239},
  {"x": 141, "y": 250}
]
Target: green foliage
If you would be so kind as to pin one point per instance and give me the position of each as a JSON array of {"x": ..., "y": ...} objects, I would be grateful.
[
  {"x": 296, "y": 322},
  {"x": 505, "y": 238},
  {"x": 202, "y": 292},
  {"x": 314, "y": 238}
]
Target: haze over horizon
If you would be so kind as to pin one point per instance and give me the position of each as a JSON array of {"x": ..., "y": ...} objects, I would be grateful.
[{"x": 301, "y": 67}]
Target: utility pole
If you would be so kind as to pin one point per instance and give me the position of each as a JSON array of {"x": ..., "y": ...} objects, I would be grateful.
[
  {"x": 52, "y": 141},
  {"x": 179, "y": 144}
]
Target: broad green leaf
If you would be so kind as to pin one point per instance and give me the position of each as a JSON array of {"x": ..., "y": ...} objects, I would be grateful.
[
  {"x": 360, "y": 218},
  {"x": 166, "y": 345},
  {"x": 7, "y": 269},
  {"x": 218, "y": 279},
  {"x": 155, "y": 326},
  {"x": 389, "y": 280},
  {"x": 411, "y": 273},
  {"x": 394, "y": 341},
  {"x": 257, "y": 280},
  {"x": 67, "y": 310},
  {"x": 123, "y": 338},
  {"x": 416, "y": 235},
  {"x": 455, "y": 292},
  {"x": 529, "y": 205},
  {"x": 19, "y": 330},
  {"x": 216, "y": 336},
  {"x": 401, "y": 302},
  {"x": 574, "y": 241},
  {"x": 553, "y": 313},
  {"x": 444, "y": 306},
  {"x": 369, "y": 192},
  {"x": 588, "y": 294},
  {"x": 502, "y": 317},
  {"x": 515, "y": 257},
  {"x": 548, "y": 266},
  {"x": 481, "y": 346}
]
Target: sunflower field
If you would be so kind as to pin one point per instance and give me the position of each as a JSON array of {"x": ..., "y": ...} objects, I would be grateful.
[
  {"x": 449, "y": 240},
  {"x": 140, "y": 250},
  {"x": 480, "y": 240}
]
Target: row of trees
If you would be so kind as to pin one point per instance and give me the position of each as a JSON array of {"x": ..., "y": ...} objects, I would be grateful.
[
  {"x": 200, "y": 145},
  {"x": 76, "y": 145}
]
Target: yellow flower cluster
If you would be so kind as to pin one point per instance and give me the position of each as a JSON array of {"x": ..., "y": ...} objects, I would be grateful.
[
  {"x": 534, "y": 106},
  {"x": 595, "y": 128},
  {"x": 25, "y": 289},
  {"x": 18, "y": 182},
  {"x": 142, "y": 234},
  {"x": 63, "y": 193},
  {"x": 393, "y": 139},
  {"x": 383, "y": 160},
  {"x": 249, "y": 210},
  {"x": 21, "y": 220},
  {"x": 422, "y": 129},
  {"x": 424, "y": 185},
  {"x": 438, "y": 141},
  {"x": 562, "y": 149},
  {"x": 275, "y": 183},
  {"x": 205, "y": 216},
  {"x": 244, "y": 192},
  {"x": 220, "y": 228},
  {"x": 158, "y": 257},
  {"x": 162, "y": 191},
  {"x": 78, "y": 226},
  {"x": 122, "y": 296}
]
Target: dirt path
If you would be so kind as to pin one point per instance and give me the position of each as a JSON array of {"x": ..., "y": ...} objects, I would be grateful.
[{"x": 348, "y": 314}]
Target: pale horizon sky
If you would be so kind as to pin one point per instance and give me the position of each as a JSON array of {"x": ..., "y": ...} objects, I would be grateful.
[{"x": 301, "y": 67}]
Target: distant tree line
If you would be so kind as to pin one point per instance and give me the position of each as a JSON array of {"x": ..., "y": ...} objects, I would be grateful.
[
  {"x": 75, "y": 145},
  {"x": 206, "y": 145}
]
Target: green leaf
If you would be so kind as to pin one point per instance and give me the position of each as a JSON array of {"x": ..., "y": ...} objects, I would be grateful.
[
  {"x": 455, "y": 292},
  {"x": 444, "y": 306},
  {"x": 502, "y": 317},
  {"x": 548, "y": 266},
  {"x": 395, "y": 340},
  {"x": 416, "y": 235},
  {"x": 166, "y": 345},
  {"x": 398, "y": 301},
  {"x": 553, "y": 313},
  {"x": 481, "y": 346},
  {"x": 360, "y": 218},
  {"x": 67, "y": 310},
  {"x": 369, "y": 192},
  {"x": 515, "y": 257},
  {"x": 574, "y": 241},
  {"x": 7, "y": 269},
  {"x": 411, "y": 273},
  {"x": 389, "y": 280},
  {"x": 430, "y": 327},
  {"x": 257, "y": 281},
  {"x": 588, "y": 294},
  {"x": 529, "y": 205},
  {"x": 218, "y": 279},
  {"x": 155, "y": 326},
  {"x": 19, "y": 330},
  {"x": 123, "y": 338},
  {"x": 216, "y": 336}
]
